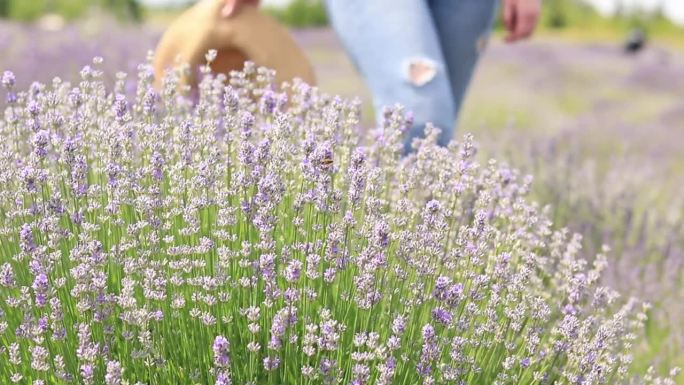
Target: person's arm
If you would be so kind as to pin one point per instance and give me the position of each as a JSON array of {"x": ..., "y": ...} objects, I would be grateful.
[
  {"x": 520, "y": 18},
  {"x": 233, "y": 6}
]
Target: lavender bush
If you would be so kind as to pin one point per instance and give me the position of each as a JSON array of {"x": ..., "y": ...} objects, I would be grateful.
[
  {"x": 249, "y": 237},
  {"x": 629, "y": 205}
]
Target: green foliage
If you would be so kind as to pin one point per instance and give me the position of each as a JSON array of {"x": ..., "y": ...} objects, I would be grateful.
[
  {"x": 301, "y": 14},
  {"x": 577, "y": 15},
  {"x": 129, "y": 9},
  {"x": 559, "y": 14},
  {"x": 4, "y": 8},
  {"x": 70, "y": 9},
  {"x": 648, "y": 21}
]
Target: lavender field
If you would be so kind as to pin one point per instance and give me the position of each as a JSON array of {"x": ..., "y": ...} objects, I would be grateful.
[{"x": 601, "y": 132}]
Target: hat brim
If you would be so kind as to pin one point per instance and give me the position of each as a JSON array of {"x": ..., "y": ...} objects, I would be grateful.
[{"x": 247, "y": 35}]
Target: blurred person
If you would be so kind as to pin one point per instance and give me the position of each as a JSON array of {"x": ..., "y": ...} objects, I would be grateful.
[
  {"x": 421, "y": 53},
  {"x": 635, "y": 41}
]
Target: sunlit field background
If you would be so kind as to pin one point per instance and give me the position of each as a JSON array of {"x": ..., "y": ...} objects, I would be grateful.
[{"x": 601, "y": 130}]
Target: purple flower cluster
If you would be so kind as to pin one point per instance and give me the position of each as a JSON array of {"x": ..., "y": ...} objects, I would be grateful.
[{"x": 221, "y": 349}]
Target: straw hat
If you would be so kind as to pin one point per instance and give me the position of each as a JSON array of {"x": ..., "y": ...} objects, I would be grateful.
[{"x": 249, "y": 34}]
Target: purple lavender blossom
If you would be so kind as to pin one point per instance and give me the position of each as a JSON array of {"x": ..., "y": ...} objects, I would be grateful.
[
  {"x": 40, "y": 141},
  {"x": 8, "y": 79},
  {"x": 442, "y": 316},
  {"x": 114, "y": 373},
  {"x": 223, "y": 379},
  {"x": 40, "y": 287},
  {"x": 7, "y": 276},
  {"x": 26, "y": 239},
  {"x": 271, "y": 363},
  {"x": 120, "y": 106},
  {"x": 221, "y": 350}
]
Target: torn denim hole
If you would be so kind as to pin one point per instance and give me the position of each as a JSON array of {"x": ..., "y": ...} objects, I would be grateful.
[{"x": 420, "y": 70}]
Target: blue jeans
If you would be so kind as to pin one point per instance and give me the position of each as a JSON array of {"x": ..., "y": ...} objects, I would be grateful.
[{"x": 418, "y": 53}]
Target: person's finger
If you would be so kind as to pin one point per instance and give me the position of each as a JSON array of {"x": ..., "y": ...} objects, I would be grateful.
[
  {"x": 529, "y": 21},
  {"x": 509, "y": 18},
  {"x": 526, "y": 15},
  {"x": 524, "y": 26},
  {"x": 232, "y": 6},
  {"x": 508, "y": 14},
  {"x": 511, "y": 36},
  {"x": 228, "y": 8}
]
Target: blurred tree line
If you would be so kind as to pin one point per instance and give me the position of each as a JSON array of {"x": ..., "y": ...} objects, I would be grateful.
[
  {"x": 557, "y": 14},
  {"x": 28, "y": 10},
  {"x": 578, "y": 14},
  {"x": 301, "y": 13}
]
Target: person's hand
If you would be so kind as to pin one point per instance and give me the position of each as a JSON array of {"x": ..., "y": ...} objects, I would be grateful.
[
  {"x": 232, "y": 6},
  {"x": 520, "y": 18}
]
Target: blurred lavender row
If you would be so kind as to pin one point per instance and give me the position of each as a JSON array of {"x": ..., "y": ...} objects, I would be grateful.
[
  {"x": 41, "y": 51},
  {"x": 603, "y": 135}
]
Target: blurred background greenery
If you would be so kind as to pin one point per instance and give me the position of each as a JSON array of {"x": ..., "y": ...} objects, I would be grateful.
[
  {"x": 569, "y": 18},
  {"x": 31, "y": 10}
]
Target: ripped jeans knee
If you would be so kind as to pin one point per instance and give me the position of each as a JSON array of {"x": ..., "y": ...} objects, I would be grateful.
[{"x": 419, "y": 70}]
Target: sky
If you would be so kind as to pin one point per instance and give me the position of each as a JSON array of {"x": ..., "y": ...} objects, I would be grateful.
[{"x": 673, "y": 8}]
